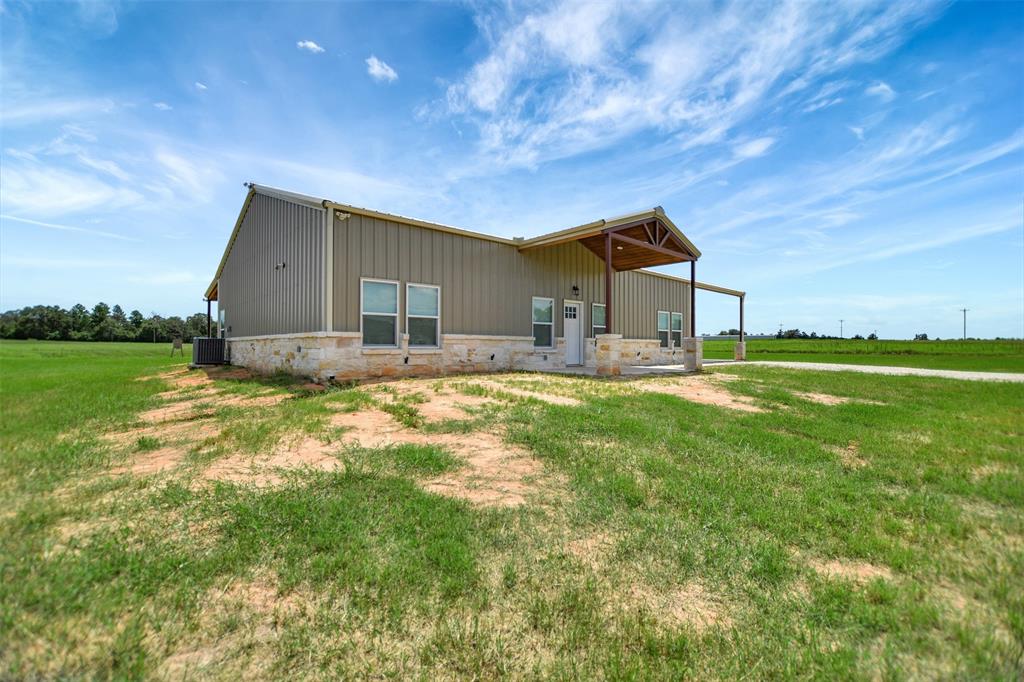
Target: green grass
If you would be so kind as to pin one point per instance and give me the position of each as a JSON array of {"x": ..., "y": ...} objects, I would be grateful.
[
  {"x": 668, "y": 540},
  {"x": 984, "y": 356}
]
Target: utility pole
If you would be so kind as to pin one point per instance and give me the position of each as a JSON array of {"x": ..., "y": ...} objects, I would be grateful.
[
  {"x": 841, "y": 328},
  {"x": 964, "y": 311}
]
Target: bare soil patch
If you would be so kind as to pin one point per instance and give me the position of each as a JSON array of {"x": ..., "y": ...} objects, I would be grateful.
[
  {"x": 850, "y": 455},
  {"x": 501, "y": 387},
  {"x": 267, "y": 470},
  {"x": 703, "y": 389},
  {"x": 440, "y": 404},
  {"x": 855, "y": 571},
  {"x": 495, "y": 473},
  {"x": 986, "y": 470},
  {"x": 691, "y": 605},
  {"x": 822, "y": 398},
  {"x": 192, "y": 431},
  {"x": 153, "y": 462}
]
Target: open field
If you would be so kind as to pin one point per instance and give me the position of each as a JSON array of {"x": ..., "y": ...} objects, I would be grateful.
[
  {"x": 982, "y": 356},
  {"x": 747, "y": 523}
]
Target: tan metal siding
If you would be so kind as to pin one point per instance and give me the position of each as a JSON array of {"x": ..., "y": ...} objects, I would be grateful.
[
  {"x": 486, "y": 287},
  {"x": 259, "y": 300}
]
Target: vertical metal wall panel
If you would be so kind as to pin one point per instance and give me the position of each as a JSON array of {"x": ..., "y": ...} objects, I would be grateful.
[
  {"x": 487, "y": 287},
  {"x": 259, "y": 300}
]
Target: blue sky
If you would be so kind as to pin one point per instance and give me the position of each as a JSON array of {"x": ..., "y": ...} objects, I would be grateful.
[{"x": 853, "y": 161}]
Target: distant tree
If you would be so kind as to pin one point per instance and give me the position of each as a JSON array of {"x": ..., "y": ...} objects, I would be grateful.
[
  {"x": 102, "y": 323},
  {"x": 872, "y": 337},
  {"x": 920, "y": 337},
  {"x": 100, "y": 313},
  {"x": 857, "y": 337},
  {"x": 195, "y": 325},
  {"x": 79, "y": 318}
]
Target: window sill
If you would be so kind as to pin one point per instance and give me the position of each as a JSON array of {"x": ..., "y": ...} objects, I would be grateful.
[
  {"x": 425, "y": 350},
  {"x": 379, "y": 350}
]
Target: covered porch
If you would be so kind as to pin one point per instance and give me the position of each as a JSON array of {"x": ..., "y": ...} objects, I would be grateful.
[{"x": 633, "y": 242}]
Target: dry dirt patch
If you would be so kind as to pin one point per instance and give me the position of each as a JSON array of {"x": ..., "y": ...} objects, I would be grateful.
[
  {"x": 849, "y": 455},
  {"x": 153, "y": 462},
  {"x": 703, "y": 389},
  {"x": 440, "y": 404},
  {"x": 494, "y": 473},
  {"x": 498, "y": 386},
  {"x": 192, "y": 430},
  {"x": 822, "y": 398},
  {"x": 691, "y": 605},
  {"x": 845, "y": 569},
  {"x": 266, "y": 470}
]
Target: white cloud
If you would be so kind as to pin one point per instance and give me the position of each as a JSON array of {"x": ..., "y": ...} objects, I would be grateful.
[
  {"x": 200, "y": 86},
  {"x": 46, "y": 190},
  {"x": 36, "y": 110},
  {"x": 67, "y": 228},
  {"x": 162, "y": 106},
  {"x": 379, "y": 70},
  {"x": 753, "y": 148},
  {"x": 569, "y": 78},
  {"x": 857, "y": 130},
  {"x": 309, "y": 46},
  {"x": 882, "y": 91}
]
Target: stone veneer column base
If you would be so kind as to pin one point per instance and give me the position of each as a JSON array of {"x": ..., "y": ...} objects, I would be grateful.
[
  {"x": 741, "y": 350},
  {"x": 608, "y": 354},
  {"x": 693, "y": 353}
]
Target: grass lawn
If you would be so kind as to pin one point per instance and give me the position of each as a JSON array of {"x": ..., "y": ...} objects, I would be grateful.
[
  {"x": 980, "y": 356},
  {"x": 749, "y": 523}
]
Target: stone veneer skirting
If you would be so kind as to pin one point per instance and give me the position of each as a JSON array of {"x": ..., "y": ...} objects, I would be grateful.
[{"x": 340, "y": 356}]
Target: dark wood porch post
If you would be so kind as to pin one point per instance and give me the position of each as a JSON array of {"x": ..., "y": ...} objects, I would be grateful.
[
  {"x": 693, "y": 298},
  {"x": 742, "y": 335},
  {"x": 209, "y": 322},
  {"x": 608, "y": 283}
]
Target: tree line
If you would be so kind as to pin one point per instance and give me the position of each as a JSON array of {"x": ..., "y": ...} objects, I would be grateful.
[{"x": 102, "y": 323}]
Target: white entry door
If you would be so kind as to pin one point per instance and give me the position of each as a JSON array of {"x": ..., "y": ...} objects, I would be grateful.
[{"x": 572, "y": 327}]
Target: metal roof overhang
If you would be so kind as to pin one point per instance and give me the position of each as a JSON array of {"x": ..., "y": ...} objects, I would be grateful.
[{"x": 638, "y": 240}]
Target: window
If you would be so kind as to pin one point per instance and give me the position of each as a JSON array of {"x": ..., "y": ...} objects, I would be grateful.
[
  {"x": 379, "y": 304},
  {"x": 423, "y": 314},
  {"x": 543, "y": 322},
  {"x": 597, "y": 323},
  {"x": 677, "y": 330},
  {"x": 663, "y": 328}
]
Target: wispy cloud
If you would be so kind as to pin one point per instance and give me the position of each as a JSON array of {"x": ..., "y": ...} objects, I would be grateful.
[
  {"x": 753, "y": 148},
  {"x": 379, "y": 70},
  {"x": 200, "y": 86},
  {"x": 162, "y": 106},
  {"x": 68, "y": 228},
  {"x": 568, "y": 79},
  {"x": 882, "y": 91},
  {"x": 309, "y": 46},
  {"x": 857, "y": 130}
]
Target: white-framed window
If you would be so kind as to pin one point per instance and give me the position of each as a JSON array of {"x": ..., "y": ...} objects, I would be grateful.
[
  {"x": 663, "y": 336},
  {"x": 423, "y": 315},
  {"x": 677, "y": 330},
  {"x": 543, "y": 322},
  {"x": 378, "y": 305},
  {"x": 597, "y": 319}
]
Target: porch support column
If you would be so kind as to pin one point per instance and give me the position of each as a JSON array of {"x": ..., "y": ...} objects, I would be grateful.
[
  {"x": 693, "y": 298},
  {"x": 741, "y": 346},
  {"x": 608, "y": 282},
  {"x": 209, "y": 320}
]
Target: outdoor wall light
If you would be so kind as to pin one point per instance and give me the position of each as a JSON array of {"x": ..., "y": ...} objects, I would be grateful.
[{"x": 575, "y": 290}]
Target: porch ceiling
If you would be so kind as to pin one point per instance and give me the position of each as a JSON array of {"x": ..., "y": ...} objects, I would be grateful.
[{"x": 640, "y": 245}]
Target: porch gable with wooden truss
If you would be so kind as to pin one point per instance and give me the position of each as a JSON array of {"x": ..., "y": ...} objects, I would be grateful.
[{"x": 631, "y": 242}]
